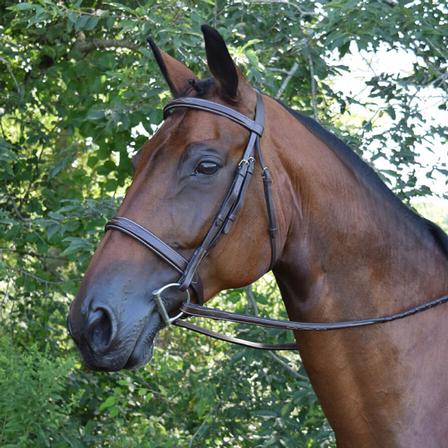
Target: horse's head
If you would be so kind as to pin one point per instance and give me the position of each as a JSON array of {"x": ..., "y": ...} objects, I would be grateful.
[{"x": 181, "y": 178}]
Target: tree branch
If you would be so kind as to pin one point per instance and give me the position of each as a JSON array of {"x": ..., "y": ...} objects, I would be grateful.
[
  {"x": 293, "y": 4},
  {"x": 251, "y": 299},
  {"x": 287, "y": 367},
  {"x": 38, "y": 278},
  {"x": 313, "y": 88},
  {"x": 86, "y": 46},
  {"x": 32, "y": 254},
  {"x": 8, "y": 67},
  {"x": 288, "y": 78}
]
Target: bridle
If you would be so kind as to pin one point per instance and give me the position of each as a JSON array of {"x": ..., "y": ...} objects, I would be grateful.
[
  {"x": 221, "y": 225},
  {"x": 230, "y": 207}
]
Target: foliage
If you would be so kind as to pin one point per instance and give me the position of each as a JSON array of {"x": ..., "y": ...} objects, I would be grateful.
[
  {"x": 33, "y": 409},
  {"x": 77, "y": 80},
  {"x": 213, "y": 396}
]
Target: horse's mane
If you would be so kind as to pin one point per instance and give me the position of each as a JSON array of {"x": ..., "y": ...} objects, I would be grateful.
[{"x": 361, "y": 168}]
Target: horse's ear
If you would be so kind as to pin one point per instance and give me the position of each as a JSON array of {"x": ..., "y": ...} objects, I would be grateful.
[
  {"x": 176, "y": 74},
  {"x": 220, "y": 62}
]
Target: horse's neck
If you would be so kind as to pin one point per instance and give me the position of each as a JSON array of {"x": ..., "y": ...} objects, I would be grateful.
[{"x": 353, "y": 253}]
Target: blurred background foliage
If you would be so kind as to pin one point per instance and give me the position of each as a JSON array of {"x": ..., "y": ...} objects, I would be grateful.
[{"x": 79, "y": 92}]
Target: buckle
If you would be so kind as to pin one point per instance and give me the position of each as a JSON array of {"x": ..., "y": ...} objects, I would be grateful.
[
  {"x": 157, "y": 293},
  {"x": 246, "y": 161}
]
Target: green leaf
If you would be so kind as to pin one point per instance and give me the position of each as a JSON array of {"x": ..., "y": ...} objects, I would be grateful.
[
  {"x": 91, "y": 23},
  {"x": 77, "y": 245},
  {"x": 266, "y": 413},
  {"x": 23, "y": 6},
  {"x": 108, "y": 403},
  {"x": 73, "y": 17},
  {"x": 391, "y": 111},
  {"x": 95, "y": 113},
  {"x": 81, "y": 22}
]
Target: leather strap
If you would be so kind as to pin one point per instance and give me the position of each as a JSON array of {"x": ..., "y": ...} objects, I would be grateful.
[
  {"x": 149, "y": 240},
  {"x": 217, "y": 109},
  {"x": 191, "y": 309},
  {"x": 233, "y": 339},
  {"x": 159, "y": 247},
  {"x": 272, "y": 219},
  {"x": 234, "y": 198},
  {"x": 224, "y": 219}
]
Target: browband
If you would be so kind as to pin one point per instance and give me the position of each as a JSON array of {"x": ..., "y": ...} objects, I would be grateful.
[{"x": 217, "y": 109}]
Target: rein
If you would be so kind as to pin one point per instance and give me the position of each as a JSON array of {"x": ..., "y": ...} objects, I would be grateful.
[
  {"x": 220, "y": 226},
  {"x": 189, "y": 309}
]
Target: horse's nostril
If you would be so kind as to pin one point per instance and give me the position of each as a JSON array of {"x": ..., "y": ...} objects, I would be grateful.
[{"x": 100, "y": 329}]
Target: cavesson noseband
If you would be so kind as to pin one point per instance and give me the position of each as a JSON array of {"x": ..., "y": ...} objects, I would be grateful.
[{"x": 220, "y": 226}]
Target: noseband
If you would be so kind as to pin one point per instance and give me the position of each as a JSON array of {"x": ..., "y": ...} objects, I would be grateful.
[{"x": 221, "y": 225}]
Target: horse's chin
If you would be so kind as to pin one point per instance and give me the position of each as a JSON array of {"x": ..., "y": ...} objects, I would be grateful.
[{"x": 142, "y": 352}]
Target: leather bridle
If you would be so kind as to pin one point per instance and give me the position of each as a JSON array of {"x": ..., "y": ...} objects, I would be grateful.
[
  {"x": 221, "y": 225},
  {"x": 230, "y": 207}
]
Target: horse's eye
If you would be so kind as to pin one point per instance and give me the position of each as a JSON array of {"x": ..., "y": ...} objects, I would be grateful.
[{"x": 207, "y": 167}]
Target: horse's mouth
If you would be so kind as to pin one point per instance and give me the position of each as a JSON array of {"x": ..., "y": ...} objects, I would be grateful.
[{"x": 143, "y": 349}]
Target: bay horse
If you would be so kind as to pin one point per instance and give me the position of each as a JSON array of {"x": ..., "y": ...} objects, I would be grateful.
[{"x": 345, "y": 248}]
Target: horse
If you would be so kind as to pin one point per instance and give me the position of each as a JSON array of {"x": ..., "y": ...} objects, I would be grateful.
[{"x": 341, "y": 246}]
